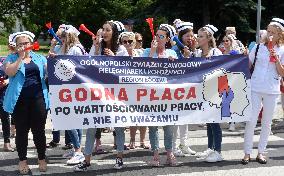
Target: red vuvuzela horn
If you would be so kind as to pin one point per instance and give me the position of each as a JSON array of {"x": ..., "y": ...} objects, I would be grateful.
[
  {"x": 48, "y": 25},
  {"x": 150, "y": 22},
  {"x": 35, "y": 46},
  {"x": 85, "y": 29}
]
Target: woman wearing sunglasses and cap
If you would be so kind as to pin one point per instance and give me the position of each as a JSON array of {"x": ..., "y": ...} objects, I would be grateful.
[
  {"x": 128, "y": 40},
  {"x": 158, "y": 50}
]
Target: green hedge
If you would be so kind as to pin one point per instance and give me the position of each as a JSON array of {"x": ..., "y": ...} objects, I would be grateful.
[{"x": 4, "y": 38}]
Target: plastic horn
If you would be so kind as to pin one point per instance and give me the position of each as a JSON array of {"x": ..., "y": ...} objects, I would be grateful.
[
  {"x": 85, "y": 29},
  {"x": 150, "y": 22},
  {"x": 270, "y": 47},
  {"x": 51, "y": 31},
  {"x": 35, "y": 46},
  {"x": 178, "y": 42}
]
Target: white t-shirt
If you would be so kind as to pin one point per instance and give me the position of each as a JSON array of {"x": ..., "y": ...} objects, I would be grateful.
[
  {"x": 265, "y": 78},
  {"x": 121, "y": 51},
  {"x": 212, "y": 52},
  {"x": 76, "y": 50}
]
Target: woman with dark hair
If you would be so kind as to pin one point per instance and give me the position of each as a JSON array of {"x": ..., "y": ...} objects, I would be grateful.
[
  {"x": 186, "y": 36},
  {"x": 105, "y": 43}
]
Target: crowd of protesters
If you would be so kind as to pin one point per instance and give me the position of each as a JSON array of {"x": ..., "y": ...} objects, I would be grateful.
[{"x": 24, "y": 92}]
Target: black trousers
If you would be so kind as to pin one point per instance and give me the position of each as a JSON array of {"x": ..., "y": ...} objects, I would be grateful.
[
  {"x": 30, "y": 114},
  {"x": 99, "y": 133},
  {"x": 5, "y": 124}
]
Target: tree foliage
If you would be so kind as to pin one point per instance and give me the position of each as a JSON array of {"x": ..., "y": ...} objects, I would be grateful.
[{"x": 93, "y": 13}]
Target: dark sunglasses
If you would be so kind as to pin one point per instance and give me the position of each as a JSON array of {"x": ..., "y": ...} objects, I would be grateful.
[
  {"x": 139, "y": 41},
  {"x": 160, "y": 36},
  {"x": 23, "y": 44},
  {"x": 127, "y": 41},
  {"x": 225, "y": 40}
]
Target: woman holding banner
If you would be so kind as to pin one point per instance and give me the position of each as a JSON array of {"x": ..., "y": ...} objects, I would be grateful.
[
  {"x": 268, "y": 61},
  {"x": 158, "y": 50},
  {"x": 128, "y": 40},
  {"x": 72, "y": 46},
  {"x": 27, "y": 98},
  {"x": 105, "y": 43},
  {"x": 206, "y": 42},
  {"x": 186, "y": 36},
  {"x": 56, "y": 49}
]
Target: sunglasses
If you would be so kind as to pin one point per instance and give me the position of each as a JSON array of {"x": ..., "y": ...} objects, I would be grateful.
[
  {"x": 127, "y": 41},
  {"x": 225, "y": 40},
  {"x": 139, "y": 41},
  {"x": 23, "y": 44},
  {"x": 160, "y": 36}
]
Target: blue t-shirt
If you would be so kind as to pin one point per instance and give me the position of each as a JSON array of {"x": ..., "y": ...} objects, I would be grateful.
[
  {"x": 178, "y": 51},
  {"x": 32, "y": 85},
  {"x": 17, "y": 81}
]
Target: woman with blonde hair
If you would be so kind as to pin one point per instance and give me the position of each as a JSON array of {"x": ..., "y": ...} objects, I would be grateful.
[
  {"x": 206, "y": 42},
  {"x": 56, "y": 48},
  {"x": 267, "y": 59},
  {"x": 230, "y": 45},
  {"x": 128, "y": 40},
  {"x": 72, "y": 46}
]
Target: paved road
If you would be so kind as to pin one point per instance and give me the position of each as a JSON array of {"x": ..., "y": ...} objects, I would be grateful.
[{"x": 135, "y": 160}]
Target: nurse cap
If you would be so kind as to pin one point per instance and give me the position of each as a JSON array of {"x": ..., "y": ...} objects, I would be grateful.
[
  {"x": 14, "y": 36},
  {"x": 184, "y": 25},
  {"x": 210, "y": 28},
  {"x": 278, "y": 22}
]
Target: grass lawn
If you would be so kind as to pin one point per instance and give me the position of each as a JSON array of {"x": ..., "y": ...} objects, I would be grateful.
[{"x": 4, "y": 50}]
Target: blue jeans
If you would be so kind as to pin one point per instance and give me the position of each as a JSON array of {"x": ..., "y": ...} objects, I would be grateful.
[
  {"x": 75, "y": 136},
  {"x": 214, "y": 133},
  {"x": 119, "y": 138},
  {"x": 154, "y": 137},
  {"x": 90, "y": 140},
  {"x": 56, "y": 137}
]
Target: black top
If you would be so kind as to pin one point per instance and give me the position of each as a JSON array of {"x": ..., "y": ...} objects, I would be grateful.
[{"x": 32, "y": 87}]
